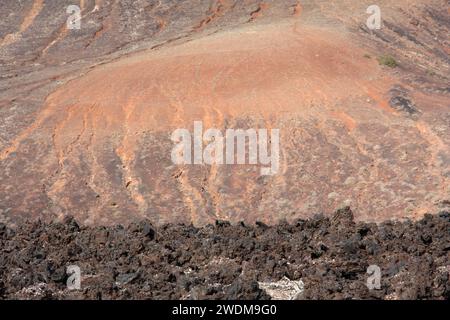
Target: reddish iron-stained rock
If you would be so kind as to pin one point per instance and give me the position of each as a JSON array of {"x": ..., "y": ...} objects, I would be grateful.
[{"x": 87, "y": 114}]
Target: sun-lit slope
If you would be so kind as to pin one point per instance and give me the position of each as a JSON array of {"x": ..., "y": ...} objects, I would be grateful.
[
  {"x": 258, "y": 71},
  {"x": 104, "y": 137}
]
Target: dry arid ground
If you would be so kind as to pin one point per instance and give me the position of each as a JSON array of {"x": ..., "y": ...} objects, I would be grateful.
[{"x": 86, "y": 117}]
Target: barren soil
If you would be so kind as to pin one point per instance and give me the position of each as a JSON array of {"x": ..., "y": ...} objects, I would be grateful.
[{"x": 86, "y": 115}]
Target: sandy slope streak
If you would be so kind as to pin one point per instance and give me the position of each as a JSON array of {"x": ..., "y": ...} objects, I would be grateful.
[
  {"x": 110, "y": 151},
  {"x": 26, "y": 23}
]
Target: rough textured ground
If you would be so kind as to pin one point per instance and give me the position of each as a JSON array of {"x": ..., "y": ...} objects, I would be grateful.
[
  {"x": 222, "y": 261},
  {"x": 86, "y": 115}
]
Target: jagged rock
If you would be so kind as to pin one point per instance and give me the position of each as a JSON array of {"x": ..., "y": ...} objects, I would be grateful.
[
  {"x": 185, "y": 262},
  {"x": 284, "y": 289}
]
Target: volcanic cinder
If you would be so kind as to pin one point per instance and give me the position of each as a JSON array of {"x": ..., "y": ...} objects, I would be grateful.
[{"x": 86, "y": 115}]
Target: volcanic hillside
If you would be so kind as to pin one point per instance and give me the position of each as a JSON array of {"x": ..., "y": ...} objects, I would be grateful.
[{"x": 86, "y": 115}]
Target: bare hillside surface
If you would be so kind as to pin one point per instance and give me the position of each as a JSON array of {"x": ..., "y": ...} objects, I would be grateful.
[{"x": 86, "y": 115}]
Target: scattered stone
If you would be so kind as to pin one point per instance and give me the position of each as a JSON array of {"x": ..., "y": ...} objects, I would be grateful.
[
  {"x": 126, "y": 278},
  {"x": 148, "y": 231},
  {"x": 284, "y": 289}
]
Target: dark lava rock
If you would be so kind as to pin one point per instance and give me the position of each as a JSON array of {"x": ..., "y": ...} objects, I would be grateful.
[
  {"x": 403, "y": 104},
  {"x": 245, "y": 290},
  {"x": 226, "y": 261},
  {"x": 71, "y": 224},
  {"x": 343, "y": 217},
  {"x": 148, "y": 231},
  {"x": 126, "y": 278}
]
